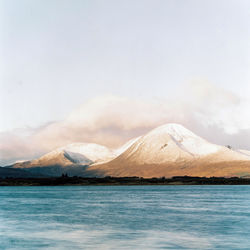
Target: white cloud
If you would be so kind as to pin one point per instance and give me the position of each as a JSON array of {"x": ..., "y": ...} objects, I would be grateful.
[{"x": 216, "y": 114}]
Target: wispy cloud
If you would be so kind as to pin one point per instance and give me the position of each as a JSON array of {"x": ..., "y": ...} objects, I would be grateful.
[{"x": 214, "y": 113}]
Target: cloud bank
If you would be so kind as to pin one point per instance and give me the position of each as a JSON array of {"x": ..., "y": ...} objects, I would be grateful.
[{"x": 213, "y": 113}]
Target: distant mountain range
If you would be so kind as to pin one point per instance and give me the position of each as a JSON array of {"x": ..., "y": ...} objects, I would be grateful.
[{"x": 169, "y": 150}]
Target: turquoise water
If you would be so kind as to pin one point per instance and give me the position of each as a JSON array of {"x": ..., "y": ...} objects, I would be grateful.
[{"x": 125, "y": 217}]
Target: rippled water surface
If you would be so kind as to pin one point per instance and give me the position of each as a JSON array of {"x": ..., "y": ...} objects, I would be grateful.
[{"x": 125, "y": 217}]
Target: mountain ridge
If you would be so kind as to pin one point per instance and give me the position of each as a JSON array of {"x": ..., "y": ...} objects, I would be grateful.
[
  {"x": 167, "y": 150},
  {"x": 171, "y": 150}
]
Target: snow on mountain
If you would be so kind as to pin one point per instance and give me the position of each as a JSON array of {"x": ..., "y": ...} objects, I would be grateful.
[
  {"x": 72, "y": 154},
  {"x": 244, "y": 152},
  {"x": 81, "y": 153},
  {"x": 20, "y": 161},
  {"x": 168, "y": 150},
  {"x": 55, "y": 155},
  {"x": 171, "y": 150},
  {"x": 171, "y": 142},
  {"x": 93, "y": 152},
  {"x": 183, "y": 138},
  {"x": 127, "y": 145}
]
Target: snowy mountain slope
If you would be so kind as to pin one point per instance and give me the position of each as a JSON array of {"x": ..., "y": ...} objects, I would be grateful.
[
  {"x": 63, "y": 157},
  {"x": 77, "y": 153},
  {"x": 127, "y": 145},
  {"x": 93, "y": 152},
  {"x": 244, "y": 152},
  {"x": 171, "y": 142},
  {"x": 172, "y": 148},
  {"x": 168, "y": 150}
]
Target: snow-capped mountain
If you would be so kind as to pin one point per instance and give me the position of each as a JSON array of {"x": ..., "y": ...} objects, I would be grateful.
[
  {"x": 172, "y": 149},
  {"x": 168, "y": 150},
  {"x": 171, "y": 142},
  {"x": 76, "y": 153},
  {"x": 74, "y": 156},
  {"x": 91, "y": 151}
]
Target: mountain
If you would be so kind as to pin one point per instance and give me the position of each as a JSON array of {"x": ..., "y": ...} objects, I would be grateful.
[
  {"x": 71, "y": 159},
  {"x": 172, "y": 150},
  {"x": 169, "y": 150}
]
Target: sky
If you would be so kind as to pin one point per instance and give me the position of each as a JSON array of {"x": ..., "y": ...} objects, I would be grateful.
[{"x": 107, "y": 71}]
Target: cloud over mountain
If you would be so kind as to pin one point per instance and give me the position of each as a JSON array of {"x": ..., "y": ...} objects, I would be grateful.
[{"x": 216, "y": 114}]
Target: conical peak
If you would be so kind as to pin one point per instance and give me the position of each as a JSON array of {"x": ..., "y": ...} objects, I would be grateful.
[
  {"x": 174, "y": 138},
  {"x": 173, "y": 129}
]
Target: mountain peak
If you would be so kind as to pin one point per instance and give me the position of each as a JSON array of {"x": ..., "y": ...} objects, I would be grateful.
[
  {"x": 167, "y": 150},
  {"x": 173, "y": 129},
  {"x": 169, "y": 143}
]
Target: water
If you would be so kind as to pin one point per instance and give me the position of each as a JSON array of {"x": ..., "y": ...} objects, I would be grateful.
[{"x": 125, "y": 217}]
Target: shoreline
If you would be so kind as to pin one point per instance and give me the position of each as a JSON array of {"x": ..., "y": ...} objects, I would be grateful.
[{"x": 122, "y": 181}]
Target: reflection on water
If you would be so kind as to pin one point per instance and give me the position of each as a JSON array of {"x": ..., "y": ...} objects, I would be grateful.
[{"x": 125, "y": 217}]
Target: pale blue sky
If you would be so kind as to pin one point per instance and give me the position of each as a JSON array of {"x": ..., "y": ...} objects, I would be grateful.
[{"x": 57, "y": 54}]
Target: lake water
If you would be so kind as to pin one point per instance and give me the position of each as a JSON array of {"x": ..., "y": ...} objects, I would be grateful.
[{"x": 125, "y": 217}]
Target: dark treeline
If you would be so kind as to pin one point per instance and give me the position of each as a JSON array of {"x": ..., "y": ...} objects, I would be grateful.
[{"x": 177, "y": 180}]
